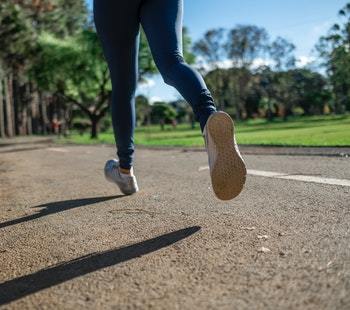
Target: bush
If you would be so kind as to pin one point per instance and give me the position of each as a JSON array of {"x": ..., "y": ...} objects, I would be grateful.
[
  {"x": 106, "y": 124},
  {"x": 81, "y": 125}
]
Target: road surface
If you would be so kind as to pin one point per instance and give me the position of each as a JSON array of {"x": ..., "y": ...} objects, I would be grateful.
[{"x": 69, "y": 240}]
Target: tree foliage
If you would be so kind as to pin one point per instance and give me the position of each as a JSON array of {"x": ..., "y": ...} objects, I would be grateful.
[
  {"x": 52, "y": 67},
  {"x": 335, "y": 50}
]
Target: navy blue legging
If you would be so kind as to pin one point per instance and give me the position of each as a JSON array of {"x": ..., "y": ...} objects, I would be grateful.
[{"x": 118, "y": 24}]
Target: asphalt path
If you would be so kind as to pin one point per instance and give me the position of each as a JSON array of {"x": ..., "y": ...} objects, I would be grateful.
[{"x": 70, "y": 240}]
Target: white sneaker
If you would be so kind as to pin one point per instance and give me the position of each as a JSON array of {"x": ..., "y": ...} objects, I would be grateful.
[
  {"x": 127, "y": 183},
  {"x": 227, "y": 168}
]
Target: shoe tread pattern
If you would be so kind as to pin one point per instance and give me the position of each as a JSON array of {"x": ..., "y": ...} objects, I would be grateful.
[{"x": 228, "y": 172}]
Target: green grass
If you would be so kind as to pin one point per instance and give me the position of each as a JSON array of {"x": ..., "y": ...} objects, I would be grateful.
[{"x": 299, "y": 131}]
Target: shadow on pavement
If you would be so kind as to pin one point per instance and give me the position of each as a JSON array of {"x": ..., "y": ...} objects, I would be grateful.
[
  {"x": 56, "y": 207},
  {"x": 24, "y": 141},
  {"x": 45, "y": 278},
  {"x": 23, "y": 149}
]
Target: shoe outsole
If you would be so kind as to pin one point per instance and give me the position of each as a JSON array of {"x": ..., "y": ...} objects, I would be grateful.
[{"x": 228, "y": 174}]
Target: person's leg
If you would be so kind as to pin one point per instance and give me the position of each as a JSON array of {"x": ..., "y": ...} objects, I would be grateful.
[
  {"x": 117, "y": 24},
  {"x": 162, "y": 23}
]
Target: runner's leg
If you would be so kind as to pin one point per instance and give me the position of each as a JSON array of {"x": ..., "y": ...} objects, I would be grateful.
[
  {"x": 162, "y": 22},
  {"x": 117, "y": 23}
]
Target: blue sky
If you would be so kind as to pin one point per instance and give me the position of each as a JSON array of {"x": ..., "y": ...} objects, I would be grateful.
[{"x": 300, "y": 21}]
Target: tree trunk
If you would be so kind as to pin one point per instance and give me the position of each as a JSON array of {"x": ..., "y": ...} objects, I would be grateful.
[
  {"x": 238, "y": 114},
  {"x": 287, "y": 112},
  {"x": 192, "y": 121},
  {"x": 22, "y": 122},
  {"x": 67, "y": 120},
  {"x": 23, "y": 104},
  {"x": 16, "y": 104},
  {"x": 10, "y": 124},
  {"x": 94, "y": 126},
  {"x": 2, "y": 116},
  {"x": 28, "y": 107},
  {"x": 43, "y": 113},
  {"x": 269, "y": 115},
  {"x": 148, "y": 118},
  {"x": 162, "y": 122},
  {"x": 34, "y": 108}
]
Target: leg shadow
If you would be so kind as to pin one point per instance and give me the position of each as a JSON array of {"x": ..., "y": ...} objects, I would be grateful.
[
  {"x": 24, "y": 149},
  {"x": 45, "y": 278},
  {"x": 56, "y": 207}
]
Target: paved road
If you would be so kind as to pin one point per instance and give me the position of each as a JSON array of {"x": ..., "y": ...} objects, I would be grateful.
[{"x": 69, "y": 240}]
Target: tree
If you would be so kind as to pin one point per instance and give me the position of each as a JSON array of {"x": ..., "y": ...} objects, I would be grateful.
[
  {"x": 265, "y": 83},
  {"x": 311, "y": 90},
  {"x": 218, "y": 81},
  {"x": 22, "y": 22},
  {"x": 143, "y": 110},
  {"x": 211, "y": 47},
  {"x": 61, "y": 18},
  {"x": 146, "y": 62},
  {"x": 246, "y": 43},
  {"x": 187, "y": 46},
  {"x": 282, "y": 53},
  {"x": 230, "y": 88},
  {"x": 162, "y": 113},
  {"x": 182, "y": 108},
  {"x": 335, "y": 49},
  {"x": 75, "y": 70},
  {"x": 243, "y": 45},
  {"x": 17, "y": 52}
]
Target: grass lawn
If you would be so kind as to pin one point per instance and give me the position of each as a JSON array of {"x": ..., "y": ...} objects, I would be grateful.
[{"x": 299, "y": 131}]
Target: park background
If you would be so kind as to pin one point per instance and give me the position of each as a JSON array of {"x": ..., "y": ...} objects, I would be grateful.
[{"x": 281, "y": 71}]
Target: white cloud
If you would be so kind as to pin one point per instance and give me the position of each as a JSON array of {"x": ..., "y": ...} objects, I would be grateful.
[
  {"x": 303, "y": 61},
  {"x": 227, "y": 64},
  {"x": 258, "y": 62},
  {"x": 224, "y": 64},
  {"x": 155, "y": 99},
  {"x": 203, "y": 65},
  {"x": 146, "y": 84}
]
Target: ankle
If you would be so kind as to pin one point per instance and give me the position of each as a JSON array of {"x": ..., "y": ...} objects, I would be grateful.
[{"x": 126, "y": 171}]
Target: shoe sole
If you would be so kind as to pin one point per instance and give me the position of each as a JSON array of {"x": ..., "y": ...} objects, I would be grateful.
[
  {"x": 116, "y": 183},
  {"x": 228, "y": 174}
]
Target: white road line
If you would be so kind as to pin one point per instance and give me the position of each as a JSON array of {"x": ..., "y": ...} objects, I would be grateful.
[
  {"x": 294, "y": 177},
  {"x": 202, "y": 168},
  {"x": 300, "y": 177}
]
